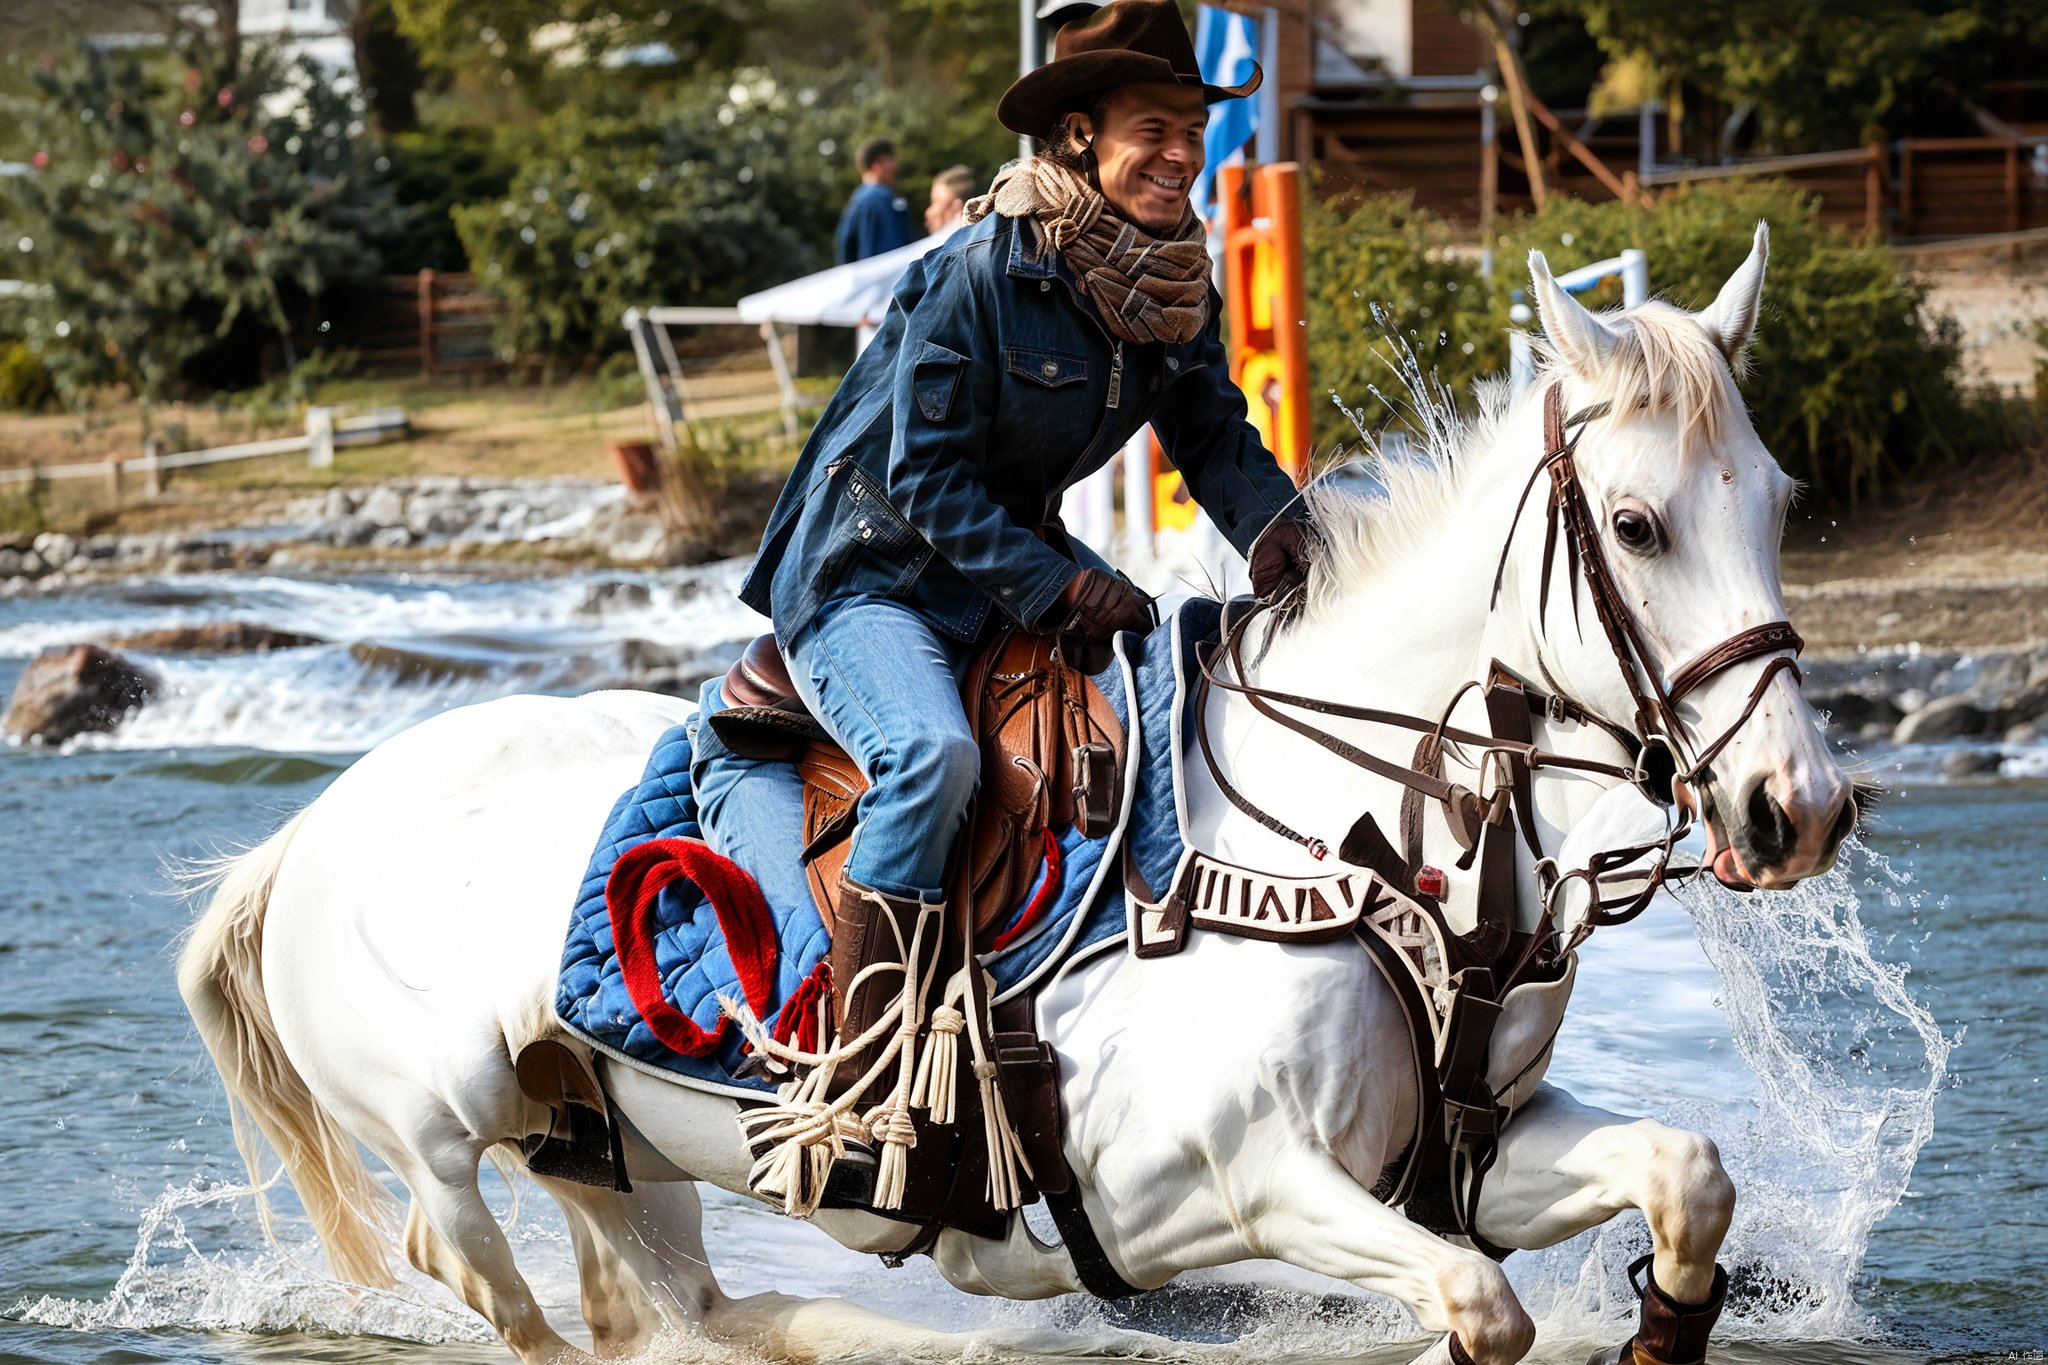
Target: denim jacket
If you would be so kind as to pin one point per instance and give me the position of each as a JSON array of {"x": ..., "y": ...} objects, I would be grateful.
[{"x": 990, "y": 389}]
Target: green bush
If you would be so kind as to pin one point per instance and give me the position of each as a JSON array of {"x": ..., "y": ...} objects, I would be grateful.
[
  {"x": 183, "y": 217},
  {"x": 1854, "y": 380},
  {"x": 24, "y": 381},
  {"x": 432, "y": 172},
  {"x": 1387, "y": 282},
  {"x": 694, "y": 203},
  {"x": 634, "y": 207}
]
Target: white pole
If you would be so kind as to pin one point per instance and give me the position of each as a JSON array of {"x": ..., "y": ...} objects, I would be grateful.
[
  {"x": 1635, "y": 278},
  {"x": 320, "y": 438},
  {"x": 1489, "y": 133},
  {"x": 1521, "y": 358},
  {"x": 784, "y": 384},
  {"x": 1089, "y": 511},
  {"x": 1268, "y": 144},
  {"x": 1027, "y": 53},
  {"x": 1138, "y": 542}
]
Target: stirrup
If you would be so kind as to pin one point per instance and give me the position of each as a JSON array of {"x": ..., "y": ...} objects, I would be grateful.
[{"x": 851, "y": 1182}]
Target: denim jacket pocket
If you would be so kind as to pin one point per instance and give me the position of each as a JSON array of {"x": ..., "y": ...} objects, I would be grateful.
[
  {"x": 935, "y": 379},
  {"x": 1050, "y": 369},
  {"x": 875, "y": 549}
]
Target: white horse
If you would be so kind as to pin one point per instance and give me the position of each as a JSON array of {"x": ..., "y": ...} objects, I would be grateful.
[{"x": 370, "y": 972}]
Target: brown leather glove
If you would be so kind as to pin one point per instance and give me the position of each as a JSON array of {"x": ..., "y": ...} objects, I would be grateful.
[
  {"x": 1091, "y": 609},
  {"x": 1280, "y": 558}
]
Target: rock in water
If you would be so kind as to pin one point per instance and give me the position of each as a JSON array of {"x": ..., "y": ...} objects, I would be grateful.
[
  {"x": 74, "y": 690},
  {"x": 1943, "y": 718},
  {"x": 215, "y": 637},
  {"x": 1972, "y": 763}
]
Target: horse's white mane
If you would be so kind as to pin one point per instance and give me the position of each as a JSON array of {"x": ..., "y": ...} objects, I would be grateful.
[{"x": 1663, "y": 360}]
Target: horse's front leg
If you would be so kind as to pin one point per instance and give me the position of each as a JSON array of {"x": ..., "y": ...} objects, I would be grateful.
[
  {"x": 1320, "y": 1218},
  {"x": 1564, "y": 1167}
]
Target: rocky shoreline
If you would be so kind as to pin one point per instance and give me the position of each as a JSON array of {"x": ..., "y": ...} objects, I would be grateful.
[
  {"x": 1984, "y": 704},
  {"x": 433, "y": 521}
]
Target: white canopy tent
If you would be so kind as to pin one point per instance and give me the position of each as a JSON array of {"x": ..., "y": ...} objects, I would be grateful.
[{"x": 852, "y": 295}]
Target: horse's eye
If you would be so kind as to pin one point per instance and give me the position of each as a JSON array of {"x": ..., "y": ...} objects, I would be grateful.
[{"x": 1634, "y": 529}]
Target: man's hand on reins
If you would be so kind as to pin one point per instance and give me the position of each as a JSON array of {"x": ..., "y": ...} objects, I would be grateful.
[
  {"x": 1090, "y": 610},
  {"x": 1280, "y": 558}
]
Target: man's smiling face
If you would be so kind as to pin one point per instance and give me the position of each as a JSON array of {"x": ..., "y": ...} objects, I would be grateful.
[{"x": 1148, "y": 151}]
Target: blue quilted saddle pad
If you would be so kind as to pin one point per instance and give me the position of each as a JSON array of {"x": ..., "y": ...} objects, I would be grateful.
[{"x": 694, "y": 963}]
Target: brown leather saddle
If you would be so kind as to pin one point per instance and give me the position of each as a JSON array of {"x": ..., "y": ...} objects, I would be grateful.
[{"x": 1051, "y": 756}]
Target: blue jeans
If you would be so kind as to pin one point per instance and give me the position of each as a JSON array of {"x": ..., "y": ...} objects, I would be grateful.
[
  {"x": 752, "y": 811},
  {"x": 887, "y": 687}
]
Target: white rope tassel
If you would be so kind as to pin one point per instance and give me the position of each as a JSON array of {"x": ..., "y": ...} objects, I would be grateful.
[
  {"x": 937, "y": 1087},
  {"x": 890, "y": 1121},
  {"x": 1005, "y": 1151}
]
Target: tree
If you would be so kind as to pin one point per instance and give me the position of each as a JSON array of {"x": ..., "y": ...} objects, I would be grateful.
[
  {"x": 525, "y": 42},
  {"x": 1827, "y": 73},
  {"x": 388, "y": 67},
  {"x": 174, "y": 209}
]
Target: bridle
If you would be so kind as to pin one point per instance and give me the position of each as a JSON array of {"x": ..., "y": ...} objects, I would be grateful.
[
  {"x": 1656, "y": 738},
  {"x": 1656, "y": 720}
]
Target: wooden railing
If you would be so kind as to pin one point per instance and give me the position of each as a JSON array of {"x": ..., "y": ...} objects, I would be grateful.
[
  {"x": 1851, "y": 185},
  {"x": 433, "y": 322},
  {"x": 1913, "y": 189}
]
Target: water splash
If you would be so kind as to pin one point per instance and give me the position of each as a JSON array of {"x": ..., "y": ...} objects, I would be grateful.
[
  {"x": 170, "y": 1281},
  {"x": 399, "y": 650},
  {"x": 1841, "y": 1067},
  {"x": 1425, "y": 412}
]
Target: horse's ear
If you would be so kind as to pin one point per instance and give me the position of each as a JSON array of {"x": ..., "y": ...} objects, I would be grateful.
[
  {"x": 1732, "y": 317},
  {"x": 1581, "y": 340}
]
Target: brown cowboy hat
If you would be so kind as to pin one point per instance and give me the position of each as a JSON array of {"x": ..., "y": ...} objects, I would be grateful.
[{"x": 1127, "y": 42}]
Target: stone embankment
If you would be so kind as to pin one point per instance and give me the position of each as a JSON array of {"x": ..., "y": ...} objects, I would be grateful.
[
  {"x": 405, "y": 521},
  {"x": 1986, "y": 704}
]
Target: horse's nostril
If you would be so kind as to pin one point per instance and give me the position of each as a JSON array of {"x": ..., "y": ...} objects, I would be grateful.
[
  {"x": 1771, "y": 835},
  {"x": 1845, "y": 823}
]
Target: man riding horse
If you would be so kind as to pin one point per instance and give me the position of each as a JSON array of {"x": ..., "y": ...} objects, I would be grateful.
[{"x": 921, "y": 518}]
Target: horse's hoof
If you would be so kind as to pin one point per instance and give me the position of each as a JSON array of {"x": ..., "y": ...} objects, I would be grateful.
[{"x": 851, "y": 1182}]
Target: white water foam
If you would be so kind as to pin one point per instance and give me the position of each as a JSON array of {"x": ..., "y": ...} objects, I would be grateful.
[
  {"x": 170, "y": 1281},
  {"x": 401, "y": 649}
]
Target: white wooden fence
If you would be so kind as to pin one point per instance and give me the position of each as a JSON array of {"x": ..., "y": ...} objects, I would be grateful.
[{"x": 323, "y": 434}]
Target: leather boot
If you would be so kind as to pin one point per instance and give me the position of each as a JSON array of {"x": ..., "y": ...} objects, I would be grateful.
[
  {"x": 1669, "y": 1332},
  {"x": 863, "y": 937}
]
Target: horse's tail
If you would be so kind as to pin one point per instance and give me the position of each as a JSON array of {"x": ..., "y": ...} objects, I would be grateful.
[{"x": 220, "y": 974}]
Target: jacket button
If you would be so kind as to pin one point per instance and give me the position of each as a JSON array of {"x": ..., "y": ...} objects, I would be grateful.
[
  {"x": 1009, "y": 592},
  {"x": 1044, "y": 285},
  {"x": 1172, "y": 362},
  {"x": 1049, "y": 369}
]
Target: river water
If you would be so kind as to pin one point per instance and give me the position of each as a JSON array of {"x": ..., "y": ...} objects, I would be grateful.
[{"x": 1865, "y": 1050}]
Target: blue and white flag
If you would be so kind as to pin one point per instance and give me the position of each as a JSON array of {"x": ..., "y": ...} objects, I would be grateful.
[{"x": 1226, "y": 46}]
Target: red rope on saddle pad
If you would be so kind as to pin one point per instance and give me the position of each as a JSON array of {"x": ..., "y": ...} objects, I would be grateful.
[
  {"x": 637, "y": 881},
  {"x": 1035, "y": 911},
  {"x": 799, "y": 1017}
]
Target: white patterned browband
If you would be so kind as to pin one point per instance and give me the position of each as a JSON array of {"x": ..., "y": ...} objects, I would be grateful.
[{"x": 1243, "y": 901}]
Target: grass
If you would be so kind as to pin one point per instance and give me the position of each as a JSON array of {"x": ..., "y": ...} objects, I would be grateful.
[{"x": 499, "y": 430}]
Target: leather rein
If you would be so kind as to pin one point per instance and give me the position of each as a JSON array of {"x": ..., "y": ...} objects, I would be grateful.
[{"x": 1655, "y": 725}]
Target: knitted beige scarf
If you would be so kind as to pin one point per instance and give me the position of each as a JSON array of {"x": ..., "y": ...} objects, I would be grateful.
[{"x": 1147, "y": 288}]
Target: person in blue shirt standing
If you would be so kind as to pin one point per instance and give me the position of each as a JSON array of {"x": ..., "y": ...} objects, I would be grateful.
[{"x": 877, "y": 219}]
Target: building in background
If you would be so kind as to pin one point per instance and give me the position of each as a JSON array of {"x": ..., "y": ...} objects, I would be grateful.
[{"x": 314, "y": 29}]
